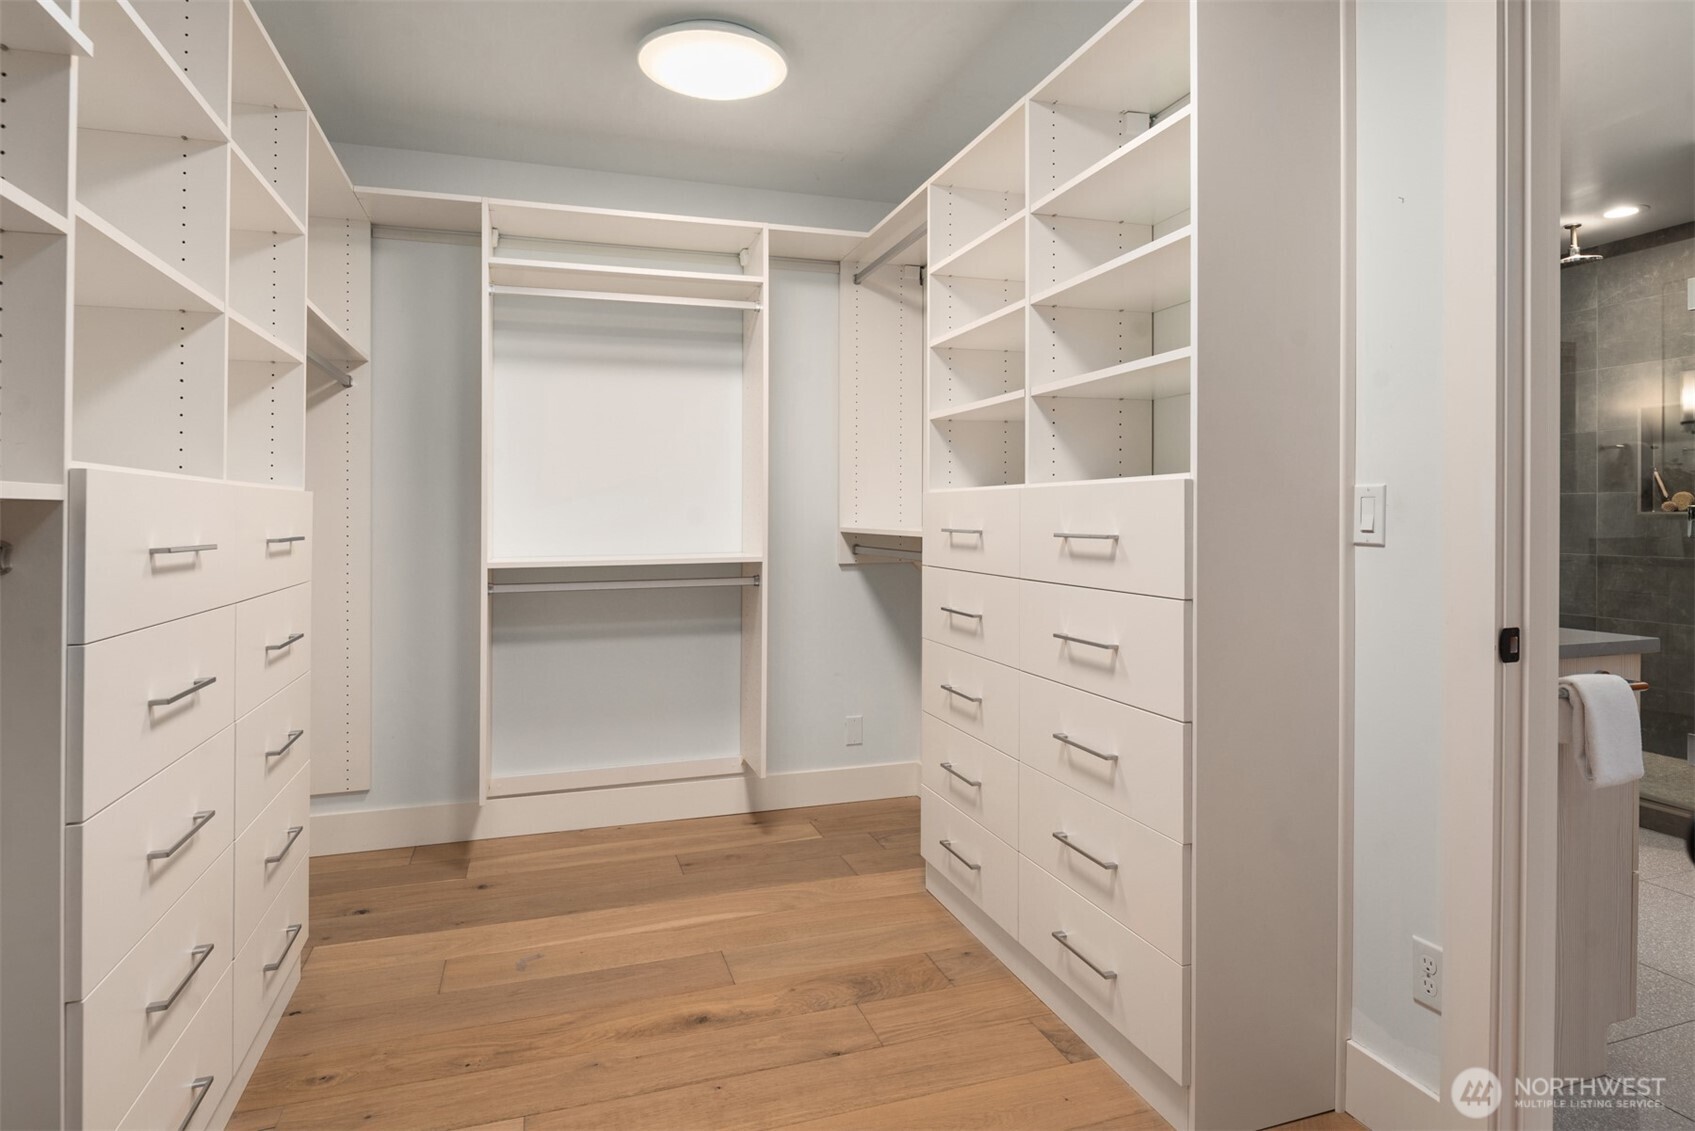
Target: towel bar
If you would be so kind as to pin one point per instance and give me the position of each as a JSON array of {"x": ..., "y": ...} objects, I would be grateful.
[{"x": 1635, "y": 685}]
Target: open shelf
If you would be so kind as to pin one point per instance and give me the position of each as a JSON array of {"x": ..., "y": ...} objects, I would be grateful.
[
  {"x": 41, "y": 25},
  {"x": 1152, "y": 277},
  {"x": 1143, "y": 182},
  {"x": 249, "y": 342},
  {"x": 1149, "y": 378},
  {"x": 261, "y": 78},
  {"x": 1077, "y": 439},
  {"x": 427, "y": 211},
  {"x": 329, "y": 193},
  {"x": 977, "y": 453},
  {"x": 996, "y": 254},
  {"x": 18, "y": 490},
  {"x": 113, "y": 270},
  {"x": 132, "y": 85},
  {"x": 329, "y": 341},
  {"x": 1006, "y": 406},
  {"x": 883, "y": 531},
  {"x": 254, "y": 203},
  {"x": 606, "y": 279},
  {"x": 612, "y": 228},
  {"x": 21, "y": 212},
  {"x": 1002, "y": 329},
  {"x": 616, "y": 561},
  {"x": 1139, "y": 63}
]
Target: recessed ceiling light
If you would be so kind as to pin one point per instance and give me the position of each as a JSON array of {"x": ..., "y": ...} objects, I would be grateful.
[
  {"x": 1620, "y": 211},
  {"x": 712, "y": 59}
]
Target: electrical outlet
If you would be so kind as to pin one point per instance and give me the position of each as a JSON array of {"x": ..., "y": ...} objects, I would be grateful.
[
  {"x": 1427, "y": 974},
  {"x": 855, "y": 730}
]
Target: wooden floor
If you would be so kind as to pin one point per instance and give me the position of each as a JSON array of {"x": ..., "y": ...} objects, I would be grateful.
[{"x": 774, "y": 970}]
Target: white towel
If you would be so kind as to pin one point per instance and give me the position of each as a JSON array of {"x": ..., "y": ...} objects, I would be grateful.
[{"x": 1606, "y": 729}]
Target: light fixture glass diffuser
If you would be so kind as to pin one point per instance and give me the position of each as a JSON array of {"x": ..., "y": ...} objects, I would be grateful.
[
  {"x": 1620, "y": 211},
  {"x": 712, "y": 59}
]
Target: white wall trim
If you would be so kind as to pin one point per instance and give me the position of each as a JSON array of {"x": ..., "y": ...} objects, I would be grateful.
[
  {"x": 1383, "y": 1099},
  {"x": 362, "y": 830}
]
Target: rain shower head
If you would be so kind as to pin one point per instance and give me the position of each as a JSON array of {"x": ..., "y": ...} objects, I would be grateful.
[{"x": 1576, "y": 255}]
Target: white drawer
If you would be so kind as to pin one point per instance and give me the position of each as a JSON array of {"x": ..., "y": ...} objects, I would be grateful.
[
  {"x": 273, "y": 644},
  {"x": 983, "y": 700},
  {"x": 115, "y": 1042},
  {"x": 113, "y": 891},
  {"x": 132, "y": 561},
  {"x": 266, "y": 852},
  {"x": 276, "y": 944},
  {"x": 272, "y": 546},
  {"x": 1147, "y": 996},
  {"x": 1126, "y": 869},
  {"x": 120, "y": 728},
  {"x": 974, "y": 530},
  {"x": 272, "y": 741},
  {"x": 1124, "y": 646},
  {"x": 1145, "y": 771},
  {"x": 978, "y": 863},
  {"x": 1131, "y": 536},
  {"x": 979, "y": 780},
  {"x": 974, "y": 612},
  {"x": 184, "y": 1093}
]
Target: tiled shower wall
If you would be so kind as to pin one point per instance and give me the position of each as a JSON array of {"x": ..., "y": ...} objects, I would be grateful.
[{"x": 1627, "y": 337}]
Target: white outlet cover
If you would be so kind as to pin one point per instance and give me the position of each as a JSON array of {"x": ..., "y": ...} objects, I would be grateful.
[{"x": 1427, "y": 974}]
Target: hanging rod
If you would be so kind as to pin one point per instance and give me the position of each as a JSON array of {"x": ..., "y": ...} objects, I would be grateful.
[
  {"x": 344, "y": 378},
  {"x": 900, "y": 245},
  {"x": 1635, "y": 685},
  {"x": 859, "y": 548},
  {"x": 622, "y": 296},
  {"x": 588, "y": 586}
]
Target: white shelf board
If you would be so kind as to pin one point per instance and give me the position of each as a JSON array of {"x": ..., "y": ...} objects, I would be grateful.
[
  {"x": 21, "y": 212},
  {"x": 911, "y": 215},
  {"x": 1151, "y": 277},
  {"x": 1001, "y": 330},
  {"x": 426, "y": 211},
  {"x": 994, "y": 160},
  {"x": 132, "y": 85},
  {"x": 329, "y": 341},
  {"x": 1149, "y": 378},
  {"x": 261, "y": 77},
  {"x": 883, "y": 531},
  {"x": 1139, "y": 62},
  {"x": 114, "y": 270},
  {"x": 617, "y": 228},
  {"x": 254, "y": 203},
  {"x": 250, "y": 342},
  {"x": 1141, "y": 182},
  {"x": 41, "y": 25},
  {"x": 1006, "y": 406},
  {"x": 614, "y": 562},
  {"x": 559, "y": 275},
  {"x": 996, "y": 254},
  {"x": 832, "y": 245},
  {"x": 23, "y": 490},
  {"x": 329, "y": 192}
]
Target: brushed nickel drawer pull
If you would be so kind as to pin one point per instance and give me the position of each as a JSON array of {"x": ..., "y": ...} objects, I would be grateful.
[
  {"x": 294, "y": 835},
  {"x": 948, "y": 766},
  {"x": 1064, "y": 940},
  {"x": 201, "y": 953},
  {"x": 151, "y": 550},
  {"x": 293, "y": 737},
  {"x": 948, "y": 844},
  {"x": 199, "y": 823},
  {"x": 1069, "y": 639},
  {"x": 285, "y": 540},
  {"x": 952, "y": 690},
  {"x": 978, "y": 531},
  {"x": 293, "y": 933},
  {"x": 1086, "y": 537},
  {"x": 201, "y": 1086},
  {"x": 1074, "y": 744},
  {"x": 961, "y": 612},
  {"x": 197, "y": 685},
  {"x": 1065, "y": 839},
  {"x": 295, "y": 638}
]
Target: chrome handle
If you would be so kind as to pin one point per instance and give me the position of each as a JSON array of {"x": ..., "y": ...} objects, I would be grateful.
[
  {"x": 182, "y": 549},
  {"x": 1086, "y": 537},
  {"x": 961, "y": 612},
  {"x": 294, "y": 835},
  {"x": 201, "y": 953},
  {"x": 1064, "y": 940},
  {"x": 952, "y": 690},
  {"x": 948, "y": 766},
  {"x": 293, "y": 639},
  {"x": 961, "y": 530},
  {"x": 954, "y": 852},
  {"x": 285, "y": 540},
  {"x": 199, "y": 823},
  {"x": 293, "y": 933},
  {"x": 293, "y": 737},
  {"x": 1072, "y": 742},
  {"x": 184, "y": 693},
  {"x": 1065, "y": 839},
  {"x": 1069, "y": 639},
  {"x": 200, "y": 1088}
]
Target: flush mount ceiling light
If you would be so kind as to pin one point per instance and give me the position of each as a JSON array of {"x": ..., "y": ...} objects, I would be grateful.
[
  {"x": 712, "y": 59},
  {"x": 1620, "y": 211}
]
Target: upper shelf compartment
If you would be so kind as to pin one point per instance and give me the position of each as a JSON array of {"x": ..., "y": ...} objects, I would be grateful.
[
  {"x": 132, "y": 84},
  {"x": 980, "y": 190},
  {"x": 42, "y": 25}
]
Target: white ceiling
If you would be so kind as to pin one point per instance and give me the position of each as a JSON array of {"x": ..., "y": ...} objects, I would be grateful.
[
  {"x": 880, "y": 92},
  {"x": 1627, "y": 79}
]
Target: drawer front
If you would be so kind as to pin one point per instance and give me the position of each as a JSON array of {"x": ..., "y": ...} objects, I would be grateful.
[
  {"x": 1126, "y": 869},
  {"x": 993, "y": 883},
  {"x": 138, "y": 702},
  {"x": 1147, "y": 997},
  {"x": 973, "y": 530},
  {"x": 273, "y": 643},
  {"x": 184, "y": 1093},
  {"x": 133, "y": 560},
  {"x": 272, "y": 546},
  {"x": 271, "y": 742},
  {"x": 183, "y": 818},
  {"x": 121, "y": 1033},
  {"x": 1133, "y": 537},
  {"x": 266, "y": 852},
  {"x": 1124, "y": 646},
  {"x": 977, "y": 779},
  {"x": 1140, "y": 760},
  {"x": 983, "y": 700},
  {"x": 277, "y": 943},
  {"x": 974, "y": 612}
]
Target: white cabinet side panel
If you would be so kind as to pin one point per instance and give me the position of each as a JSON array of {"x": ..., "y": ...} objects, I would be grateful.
[{"x": 880, "y": 413}]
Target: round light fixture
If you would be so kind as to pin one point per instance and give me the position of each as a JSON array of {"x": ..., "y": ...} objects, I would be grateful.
[
  {"x": 712, "y": 59},
  {"x": 1620, "y": 211}
]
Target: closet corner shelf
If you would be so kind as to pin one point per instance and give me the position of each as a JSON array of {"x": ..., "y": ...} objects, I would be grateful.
[
  {"x": 1001, "y": 330},
  {"x": 254, "y": 203},
  {"x": 1151, "y": 277},
  {"x": 114, "y": 270},
  {"x": 1006, "y": 406},
  {"x": 21, "y": 212},
  {"x": 546, "y": 274},
  {"x": 329, "y": 341},
  {"x": 1145, "y": 379},
  {"x": 19, "y": 490},
  {"x": 41, "y": 25},
  {"x": 883, "y": 531},
  {"x": 617, "y": 561},
  {"x": 251, "y": 342},
  {"x": 131, "y": 84},
  {"x": 789, "y": 241},
  {"x": 996, "y": 254},
  {"x": 1143, "y": 181}
]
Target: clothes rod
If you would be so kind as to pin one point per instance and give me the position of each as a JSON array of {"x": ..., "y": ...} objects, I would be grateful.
[
  {"x": 589, "y": 586},
  {"x": 620, "y": 296},
  {"x": 343, "y": 378},
  {"x": 887, "y": 552},
  {"x": 900, "y": 245}
]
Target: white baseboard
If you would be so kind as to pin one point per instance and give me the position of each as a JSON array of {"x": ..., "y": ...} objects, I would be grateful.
[
  {"x": 361, "y": 830},
  {"x": 1382, "y": 1098}
]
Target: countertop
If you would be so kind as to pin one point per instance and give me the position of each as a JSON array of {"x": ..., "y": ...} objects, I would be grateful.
[{"x": 1579, "y": 642}]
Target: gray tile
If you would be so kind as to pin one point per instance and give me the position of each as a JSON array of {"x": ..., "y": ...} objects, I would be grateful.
[
  {"x": 1579, "y": 330},
  {"x": 1640, "y": 274},
  {"x": 1644, "y": 588},
  {"x": 1668, "y": 1055},
  {"x": 1666, "y": 932},
  {"x": 1624, "y": 392},
  {"x": 1666, "y": 732},
  {"x": 1578, "y": 287},
  {"x": 1661, "y": 1002},
  {"x": 1590, "y": 623},
  {"x": 1583, "y": 400},
  {"x": 1680, "y": 882},
  {"x": 1617, "y": 468},
  {"x": 1677, "y": 329},
  {"x": 1568, "y": 1116},
  {"x": 1577, "y": 523},
  {"x": 1659, "y": 855},
  {"x": 1628, "y": 332},
  {"x": 1577, "y": 586}
]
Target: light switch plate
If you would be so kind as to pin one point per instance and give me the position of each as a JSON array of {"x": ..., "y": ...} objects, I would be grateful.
[{"x": 1370, "y": 513}]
